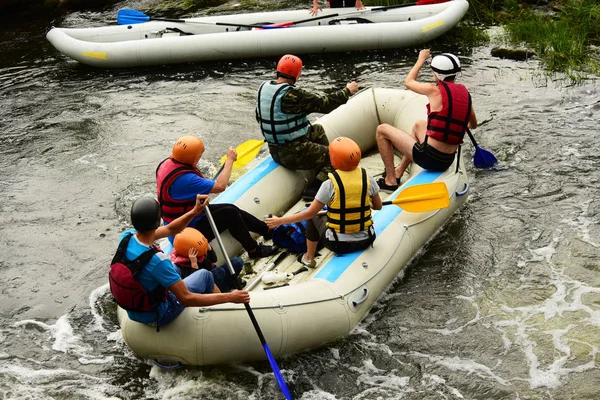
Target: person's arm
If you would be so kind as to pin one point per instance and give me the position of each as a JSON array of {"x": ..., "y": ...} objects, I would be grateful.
[
  {"x": 180, "y": 223},
  {"x": 223, "y": 178},
  {"x": 299, "y": 101},
  {"x": 376, "y": 202},
  {"x": 189, "y": 299},
  {"x": 472, "y": 119},
  {"x": 315, "y": 8},
  {"x": 411, "y": 82},
  {"x": 310, "y": 212}
]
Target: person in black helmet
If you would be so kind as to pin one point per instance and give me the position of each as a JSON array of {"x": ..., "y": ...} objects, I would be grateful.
[{"x": 160, "y": 271}]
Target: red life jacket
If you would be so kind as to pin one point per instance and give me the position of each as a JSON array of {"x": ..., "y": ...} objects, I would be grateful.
[
  {"x": 450, "y": 123},
  {"x": 166, "y": 173},
  {"x": 125, "y": 288}
]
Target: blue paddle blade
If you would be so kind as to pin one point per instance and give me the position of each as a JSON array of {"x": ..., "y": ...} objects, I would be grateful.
[
  {"x": 129, "y": 17},
  {"x": 278, "y": 376},
  {"x": 483, "y": 158}
]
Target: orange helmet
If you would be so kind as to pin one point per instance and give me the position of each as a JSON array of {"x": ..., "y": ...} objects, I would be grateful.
[
  {"x": 289, "y": 66},
  {"x": 188, "y": 150},
  {"x": 344, "y": 153},
  {"x": 189, "y": 238}
]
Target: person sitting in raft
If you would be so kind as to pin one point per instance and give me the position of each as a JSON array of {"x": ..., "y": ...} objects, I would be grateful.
[
  {"x": 337, "y": 4},
  {"x": 191, "y": 252},
  {"x": 350, "y": 194},
  {"x": 432, "y": 144},
  {"x": 282, "y": 112},
  {"x": 159, "y": 274},
  {"x": 178, "y": 181}
]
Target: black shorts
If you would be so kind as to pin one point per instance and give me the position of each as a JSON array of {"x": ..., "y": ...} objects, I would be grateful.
[
  {"x": 430, "y": 158},
  {"x": 341, "y": 3}
]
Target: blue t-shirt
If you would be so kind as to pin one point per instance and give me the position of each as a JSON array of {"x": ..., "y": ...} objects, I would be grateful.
[
  {"x": 159, "y": 271},
  {"x": 187, "y": 186}
]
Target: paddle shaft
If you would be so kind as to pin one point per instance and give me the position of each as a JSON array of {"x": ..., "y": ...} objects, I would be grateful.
[
  {"x": 472, "y": 138},
  {"x": 238, "y": 286}
]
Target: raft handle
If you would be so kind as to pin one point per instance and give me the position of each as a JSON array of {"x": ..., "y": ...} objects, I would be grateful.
[
  {"x": 464, "y": 191},
  {"x": 172, "y": 367},
  {"x": 362, "y": 299}
]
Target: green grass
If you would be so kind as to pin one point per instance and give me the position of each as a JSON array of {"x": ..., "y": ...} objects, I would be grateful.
[{"x": 563, "y": 40}]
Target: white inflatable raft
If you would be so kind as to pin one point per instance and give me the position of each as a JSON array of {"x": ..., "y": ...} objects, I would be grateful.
[
  {"x": 218, "y": 38},
  {"x": 320, "y": 305}
]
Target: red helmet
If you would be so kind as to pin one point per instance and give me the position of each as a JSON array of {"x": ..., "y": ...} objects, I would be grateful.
[
  {"x": 344, "y": 153},
  {"x": 289, "y": 66}
]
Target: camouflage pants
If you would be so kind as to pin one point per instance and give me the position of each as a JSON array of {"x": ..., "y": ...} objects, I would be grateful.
[{"x": 310, "y": 152}]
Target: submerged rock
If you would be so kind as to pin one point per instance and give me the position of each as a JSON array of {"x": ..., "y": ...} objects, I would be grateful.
[{"x": 513, "y": 54}]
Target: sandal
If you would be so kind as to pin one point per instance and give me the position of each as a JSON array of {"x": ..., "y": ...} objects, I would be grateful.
[
  {"x": 263, "y": 251},
  {"x": 384, "y": 186}
]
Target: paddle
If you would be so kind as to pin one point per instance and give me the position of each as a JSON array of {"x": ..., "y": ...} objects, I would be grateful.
[
  {"x": 482, "y": 158},
  {"x": 274, "y": 367},
  {"x": 421, "y": 198},
  {"x": 132, "y": 17},
  {"x": 247, "y": 151}
]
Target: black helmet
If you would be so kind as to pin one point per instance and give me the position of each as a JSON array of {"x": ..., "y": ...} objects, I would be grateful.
[{"x": 145, "y": 214}]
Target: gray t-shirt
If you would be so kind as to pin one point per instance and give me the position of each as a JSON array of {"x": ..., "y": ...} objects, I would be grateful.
[{"x": 325, "y": 195}]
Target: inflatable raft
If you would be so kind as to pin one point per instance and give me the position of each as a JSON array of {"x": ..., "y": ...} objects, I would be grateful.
[
  {"x": 319, "y": 305},
  {"x": 136, "y": 43}
]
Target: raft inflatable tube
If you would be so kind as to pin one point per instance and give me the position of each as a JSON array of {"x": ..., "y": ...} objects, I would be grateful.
[{"x": 219, "y": 38}]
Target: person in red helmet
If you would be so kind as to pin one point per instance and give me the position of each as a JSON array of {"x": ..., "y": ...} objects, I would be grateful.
[
  {"x": 178, "y": 181},
  {"x": 282, "y": 112},
  {"x": 350, "y": 194},
  {"x": 337, "y": 4}
]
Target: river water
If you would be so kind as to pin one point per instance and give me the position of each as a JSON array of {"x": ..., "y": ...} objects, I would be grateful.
[{"x": 503, "y": 304}]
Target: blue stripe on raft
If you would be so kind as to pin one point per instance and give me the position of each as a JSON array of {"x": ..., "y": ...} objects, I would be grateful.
[
  {"x": 381, "y": 220},
  {"x": 241, "y": 186}
]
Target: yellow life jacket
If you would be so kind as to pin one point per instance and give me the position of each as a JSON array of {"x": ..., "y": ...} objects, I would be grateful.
[{"x": 350, "y": 209}]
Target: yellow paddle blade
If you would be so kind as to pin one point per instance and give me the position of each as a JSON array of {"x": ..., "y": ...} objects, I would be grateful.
[
  {"x": 425, "y": 197},
  {"x": 246, "y": 151}
]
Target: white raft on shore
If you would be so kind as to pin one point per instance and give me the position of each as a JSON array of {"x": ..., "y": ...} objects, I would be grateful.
[
  {"x": 320, "y": 305},
  {"x": 213, "y": 38}
]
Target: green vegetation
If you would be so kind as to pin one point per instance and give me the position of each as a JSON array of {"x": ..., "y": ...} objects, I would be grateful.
[{"x": 564, "y": 34}]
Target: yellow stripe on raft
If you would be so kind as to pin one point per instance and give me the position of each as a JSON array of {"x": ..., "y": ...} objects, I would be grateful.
[
  {"x": 432, "y": 26},
  {"x": 94, "y": 54}
]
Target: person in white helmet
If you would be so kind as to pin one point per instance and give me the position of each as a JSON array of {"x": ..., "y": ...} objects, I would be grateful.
[{"x": 432, "y": 144}]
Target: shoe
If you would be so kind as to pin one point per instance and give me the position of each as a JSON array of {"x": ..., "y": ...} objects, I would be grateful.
[
  {"x": 263, "y": 250},
  {"x": 302, "y": 260},
  {"x": 309, "y": 193},
  {"x": 268, "y": 235},
  {"x": 384, "y": 186},
  {"x": 385, "y": 174}
]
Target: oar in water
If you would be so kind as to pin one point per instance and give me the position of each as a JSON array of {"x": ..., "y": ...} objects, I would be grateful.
[
  {"x": 247, "y": 151},
  {"x": 132, "y": 17},
  {"x": 482, "y": 158},
  {"x": 282, "y": 385},
  {"x": 421, "y": 198}
]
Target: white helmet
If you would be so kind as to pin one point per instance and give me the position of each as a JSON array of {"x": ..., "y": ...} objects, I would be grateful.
[{"x": 445, "y": 65}]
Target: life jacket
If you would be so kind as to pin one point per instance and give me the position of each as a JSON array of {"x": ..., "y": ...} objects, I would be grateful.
[
  {"x": 124, "y": 286},
  {"x": 276, "y": 126},
  {"x": 450, "y": 123},
  {"x": 166, "y": 173},
  {"x": 350, "y": 209}
]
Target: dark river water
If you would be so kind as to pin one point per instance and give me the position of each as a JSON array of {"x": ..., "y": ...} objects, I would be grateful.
[{"x": 503, "y": 304}]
